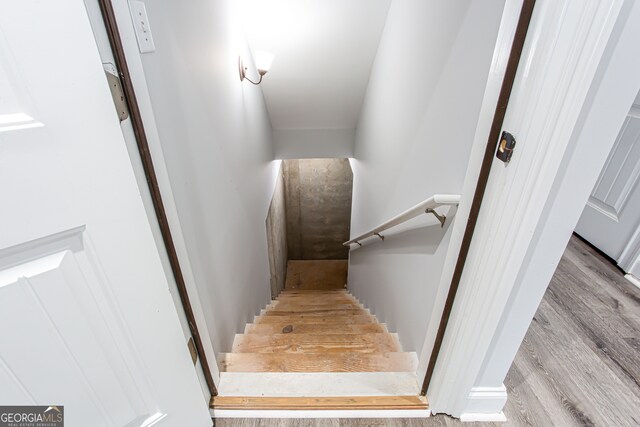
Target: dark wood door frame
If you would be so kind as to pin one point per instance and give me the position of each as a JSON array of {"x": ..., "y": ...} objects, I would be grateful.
[
  {"x": 483, "y": 178},
  {"x": 108, "y": 15}
]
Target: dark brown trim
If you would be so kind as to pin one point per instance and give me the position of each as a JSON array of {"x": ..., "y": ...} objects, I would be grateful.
[
  {"x": 145, "y": 155},
  {"x": 483, "y": 178}
]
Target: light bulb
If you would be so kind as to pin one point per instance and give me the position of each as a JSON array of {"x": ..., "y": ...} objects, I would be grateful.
[{"x": 263, "y": 61}]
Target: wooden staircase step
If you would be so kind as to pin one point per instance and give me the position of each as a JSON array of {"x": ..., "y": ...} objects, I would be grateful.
[
  {"x": 318, "y": 312},
  {"x": 315, "y": 343},
  {"x": 318, "y": 362},
  {"x": 296, "y": 319},
  {"x": 277, "y": 328},
  {"x": 278, "y": 306},
  {"x": 314, "y": 292},
  {"x": 317, "y": 297},
  {"x": 321, "y": 403},
  {"x": 314, "y": 295}
]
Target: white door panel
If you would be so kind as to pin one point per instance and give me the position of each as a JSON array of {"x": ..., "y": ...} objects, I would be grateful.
[
  {"x": 612, "y": 215},
  {"x": 86, "y": 319}
]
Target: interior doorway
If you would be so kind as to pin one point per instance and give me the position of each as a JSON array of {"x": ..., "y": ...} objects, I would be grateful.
[{"x": 308, "y": 221}]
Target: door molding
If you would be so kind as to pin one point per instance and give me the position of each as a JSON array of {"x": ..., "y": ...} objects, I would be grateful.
[
  {"x": 563, "y": 49},
  {"x": 108, "y": 15},
  {"x": 513, "y": 44}
]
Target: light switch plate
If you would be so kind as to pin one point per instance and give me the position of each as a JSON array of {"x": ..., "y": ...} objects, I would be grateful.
[{"x": 142, "y": 27}]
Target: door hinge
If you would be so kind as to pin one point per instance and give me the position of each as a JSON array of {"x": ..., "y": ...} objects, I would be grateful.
[
  {"x": 192, "y": 349},
  {"x": 115, "y": 86}
]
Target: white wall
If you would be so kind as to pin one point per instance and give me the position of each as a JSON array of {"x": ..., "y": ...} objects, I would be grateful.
[
  {"x": 216, "y": 139},
  {"x": 413, "y": 140},
  {"x": 313, "y": 143}
]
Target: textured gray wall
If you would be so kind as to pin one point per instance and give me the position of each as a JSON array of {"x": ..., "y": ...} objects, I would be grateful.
[
  {"x": 277, "y": 237},
  {"x": 318, "y": 207}
]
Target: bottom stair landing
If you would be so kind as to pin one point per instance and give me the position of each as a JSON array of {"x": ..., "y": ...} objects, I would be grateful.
[{"x": 317, "y": 350}]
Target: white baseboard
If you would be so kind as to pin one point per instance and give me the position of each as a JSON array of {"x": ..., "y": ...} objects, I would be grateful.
[
  {"x": 633, "y": 279},
  {"x": 485, "y": 404},
  {"x": 393, "y": 413}
]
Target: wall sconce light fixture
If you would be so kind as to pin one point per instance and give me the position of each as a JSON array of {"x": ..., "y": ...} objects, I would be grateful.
[{"x": 263, "y": 64}]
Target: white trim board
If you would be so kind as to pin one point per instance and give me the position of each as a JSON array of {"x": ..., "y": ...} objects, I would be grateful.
[{"x": 388, "y": 413}]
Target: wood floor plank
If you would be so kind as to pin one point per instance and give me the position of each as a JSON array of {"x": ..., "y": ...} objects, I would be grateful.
[
  {"x": 321, "y": 403},
  {"x": 524, "y": 406},
  {"x": 277, "y": 328},
  {"x": 320, "y": 320},
  {"x": 603, "y": 281},
  {"x": 316, "y": 300},
  {"x": 317, "y": 362},
  {"x": 315, "y": 343},
  {"x": 603, "y": 334}
]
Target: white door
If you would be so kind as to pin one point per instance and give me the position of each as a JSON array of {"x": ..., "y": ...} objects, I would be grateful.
[
  {"x": 86, "y": 318},
  {"x": 611, "y": 218}
]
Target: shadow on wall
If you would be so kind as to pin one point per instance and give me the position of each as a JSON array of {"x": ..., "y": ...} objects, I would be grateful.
[{"x": 277, "y": 237}]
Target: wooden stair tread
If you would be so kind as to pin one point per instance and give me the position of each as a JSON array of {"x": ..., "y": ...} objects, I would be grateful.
[
  {"x": 313, "y": 307},
  {"x": 318, "y": 362},
  {"x": 304, "y": 319},
  {"x": 314, "y": 292},
  {"x": 314, "y": 343},
  {"x": 321, "y": 403},
  {"x": 324, "y": 312},
  {"x": 327, "y": 328},
  {"x": 316, "y": 299}
]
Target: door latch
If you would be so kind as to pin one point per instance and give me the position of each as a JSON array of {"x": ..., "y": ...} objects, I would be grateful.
[{"x": 506, "y": 146}]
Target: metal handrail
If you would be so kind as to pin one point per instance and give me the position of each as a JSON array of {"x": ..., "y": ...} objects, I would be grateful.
[{"x": 426, "y": 206}]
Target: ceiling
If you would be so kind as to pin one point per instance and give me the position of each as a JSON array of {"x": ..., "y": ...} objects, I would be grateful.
[{"x": 324, "y": 50}]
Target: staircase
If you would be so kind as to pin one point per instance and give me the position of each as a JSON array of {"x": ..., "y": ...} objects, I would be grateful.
[
  {"x": 316, "y": 331},
  {"x": 318, "y": 344}
]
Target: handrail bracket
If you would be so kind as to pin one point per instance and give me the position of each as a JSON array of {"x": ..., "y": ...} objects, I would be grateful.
[
  {"x": 441, "y": 218},
  {"x": 379, "y": 235}
]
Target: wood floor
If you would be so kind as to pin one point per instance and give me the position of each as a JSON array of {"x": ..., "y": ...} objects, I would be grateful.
[{"x": 579, "y": 364}]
